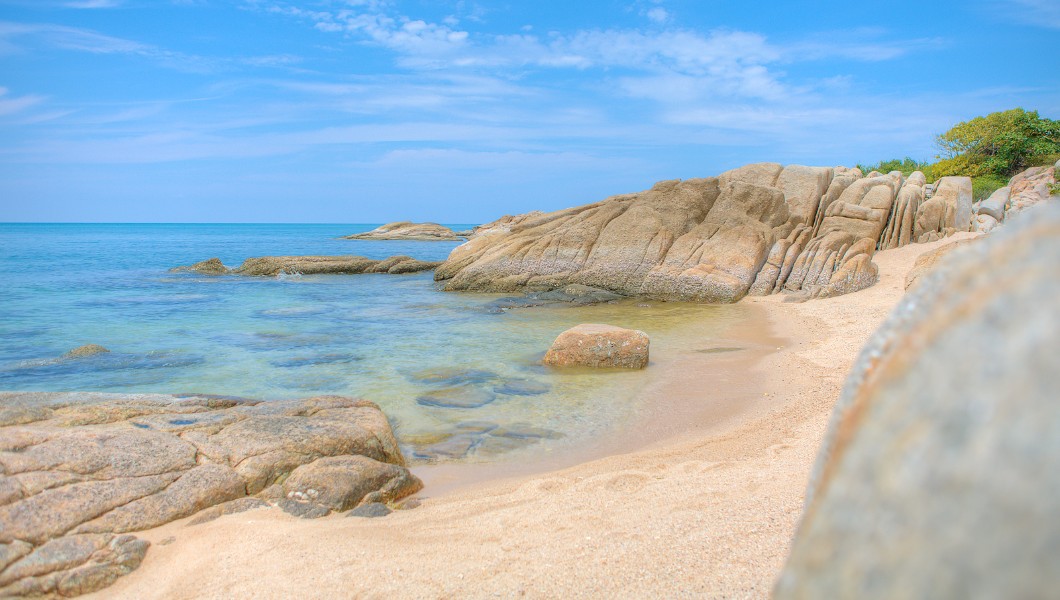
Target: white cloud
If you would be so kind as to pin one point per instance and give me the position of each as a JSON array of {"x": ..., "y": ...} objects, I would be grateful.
[
  {"x": 93, "y": 4},
  {"x": 658, "y": 14},
  {"x": 12, "y": 105}
]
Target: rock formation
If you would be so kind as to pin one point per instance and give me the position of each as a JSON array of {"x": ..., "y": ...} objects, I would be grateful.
[
  {"x": 593, "y": 345},
  {"x": 948, "y": 211},
  {"x": 272, "y": 266},
  {"x": 78, "y": 471},
  {"x": 405, "y": 230},
  {"x": 759, "y": 229},
  {"x": 938, "y": 477}
]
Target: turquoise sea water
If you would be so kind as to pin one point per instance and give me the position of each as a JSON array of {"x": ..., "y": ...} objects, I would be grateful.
[{"x": 382, "y": 337}]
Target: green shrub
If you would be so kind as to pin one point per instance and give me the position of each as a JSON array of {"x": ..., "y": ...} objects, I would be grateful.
[
  {"x": 906, "y": 165},
  {"x": 1000, "y": 144},
  {"x": 985, "y": 185}
]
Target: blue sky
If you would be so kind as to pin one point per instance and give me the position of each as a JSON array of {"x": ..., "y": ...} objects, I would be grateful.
[{"x": 460, "y": 111}]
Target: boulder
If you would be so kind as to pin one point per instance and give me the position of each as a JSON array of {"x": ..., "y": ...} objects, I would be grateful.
[
  {"x": 78, "y": 468},
  {"x": 948, "y": 211},
  {"x": 595, "y": 345},
  {"x": 405, "y": 230},
  {"x": 985, "y": 223},
  {"x": 210, "y": 266},
  {"x": 344, "y": 482},
  {"x": 86, "y": 350},
  {"x": 1030, "y": 188},
  {"x": 938, "y": 478},
  {"x": 996, "y": 203}
]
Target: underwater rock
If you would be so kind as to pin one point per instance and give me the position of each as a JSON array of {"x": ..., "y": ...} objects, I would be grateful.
[
  {"x": 459, "y": 396},
  {"x": 522, "y": 387},
  {"x": 86, "y": 350}
]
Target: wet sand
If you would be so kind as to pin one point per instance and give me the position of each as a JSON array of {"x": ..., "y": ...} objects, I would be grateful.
[{"x": 701, "y": 498}]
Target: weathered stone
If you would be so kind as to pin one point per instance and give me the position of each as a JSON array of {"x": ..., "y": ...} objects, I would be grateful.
[
  {"x": 79, "y": 467},
  {"x": 86, "y": 350},
  {"x": 211, "y": 266},
  {"x": 948, "y": 211},
  {"x": 372, "y": 510},
  {"x": 902, "y": 224},
  {"x": 996, "y": 203},
  {"x": 342, "y": 482},
  {"x": 405, "y": 230},
  {"x": 451, "y": 448},
  {"x": 73, "y": 565},
  {"x": 305, "y": 265},
  {"x": 937, "y": 477},
  {"x": 303, "y": 509},
  {"x": 228, "y": 508},
  {"x": 595, "y": 345},
  {"x": 985, "y": 223}
]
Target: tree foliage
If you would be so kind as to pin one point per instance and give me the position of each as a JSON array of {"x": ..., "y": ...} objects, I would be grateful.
[{"x": 1000, "y": 144}]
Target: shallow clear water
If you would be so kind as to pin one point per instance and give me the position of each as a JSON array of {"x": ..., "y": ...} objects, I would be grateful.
[{"x": 382, "y": 337}]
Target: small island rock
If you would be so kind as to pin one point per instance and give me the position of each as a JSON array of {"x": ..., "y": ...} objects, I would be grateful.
[
  {"x": 405, "y": 230},
  {"x": 596, "y": 345},
  {"x": 86, "y": 350},
  {"x": 210, "y": 266}
]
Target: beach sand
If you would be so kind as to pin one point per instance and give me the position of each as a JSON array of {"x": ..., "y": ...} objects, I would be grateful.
[{"x": 702, "y": 500}]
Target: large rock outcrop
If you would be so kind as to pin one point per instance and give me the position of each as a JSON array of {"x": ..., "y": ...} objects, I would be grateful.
[
  {"x": 405, "y": 230},
  {"x": 939, "y": 475},
  {"x": 759, "y": 229},
  {"x": 271, "y": 266},
  {"x": 78, "y": 471}
]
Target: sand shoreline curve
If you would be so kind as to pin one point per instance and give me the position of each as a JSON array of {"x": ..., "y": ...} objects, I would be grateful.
[{"x": 706, "y": 511}]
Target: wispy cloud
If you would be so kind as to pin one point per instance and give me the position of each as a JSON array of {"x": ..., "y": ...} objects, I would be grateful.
[{"x": 1039, "y": 13}]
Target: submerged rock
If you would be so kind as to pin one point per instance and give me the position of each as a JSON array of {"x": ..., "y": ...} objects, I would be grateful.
[
  {"x": 522, "y": 387},
  {"x": 453, "y": 376},
  {"x": 80, "y": 467},
  {"x": 595, "y": 345},
  {"x": 938, "y": 477},
  {"x": 460, "y": 396},
  {"x": 86, "y": 350},
  {"x": 405, "y": 230}
]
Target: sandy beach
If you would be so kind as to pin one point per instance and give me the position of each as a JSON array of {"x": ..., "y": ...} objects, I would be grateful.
[{"x": 703, "y": 503}]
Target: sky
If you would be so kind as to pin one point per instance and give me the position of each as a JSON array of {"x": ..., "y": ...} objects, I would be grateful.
[{"x": 367, "y": 111}]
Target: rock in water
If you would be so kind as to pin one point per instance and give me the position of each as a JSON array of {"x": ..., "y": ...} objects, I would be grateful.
[
  {"x": 940, "y": 474},
  {"x": 405, "y": 230},
  {"x": 86, "y": 350},
  {"x": 210, "y": 266},
  {"x": 594, "y": 345},
  {"x": 271, "y": 266},
  {"x": 78, "y": 468}
]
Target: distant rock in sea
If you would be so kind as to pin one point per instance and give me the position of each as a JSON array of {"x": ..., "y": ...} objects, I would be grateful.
[
  {"x": 406, "y": 230},
  {"x": 940, "y": 474},
  {"x": 82, "y": 470},
  {"x": 271, "y": 266}
]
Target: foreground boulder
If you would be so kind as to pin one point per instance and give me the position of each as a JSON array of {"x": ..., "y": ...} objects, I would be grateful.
[
  {"x": 939, "y": 476},
  {"x": 405, "y": 230},
  {"x": 271, "y": 266},
  {"x": 593, "y": 345},
  {"x": 79, "y": 469}
]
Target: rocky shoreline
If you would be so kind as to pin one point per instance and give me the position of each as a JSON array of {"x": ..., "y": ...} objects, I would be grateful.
[
  {"x": 406, "y": 230},
  {"x": 81, "y": 471}
]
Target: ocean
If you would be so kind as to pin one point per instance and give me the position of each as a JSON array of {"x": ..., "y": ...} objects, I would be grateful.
[{"x": 394, "y": 339}]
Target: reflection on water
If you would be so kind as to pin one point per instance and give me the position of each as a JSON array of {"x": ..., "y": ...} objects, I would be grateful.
[{"x": 459, "y": 379}]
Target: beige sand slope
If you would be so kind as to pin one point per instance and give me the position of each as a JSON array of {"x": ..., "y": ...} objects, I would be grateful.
[{"x": 707, "y": 512}]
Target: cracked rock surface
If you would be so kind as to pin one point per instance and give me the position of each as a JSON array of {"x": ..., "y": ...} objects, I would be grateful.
[{"x": 78, "y": 471}]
